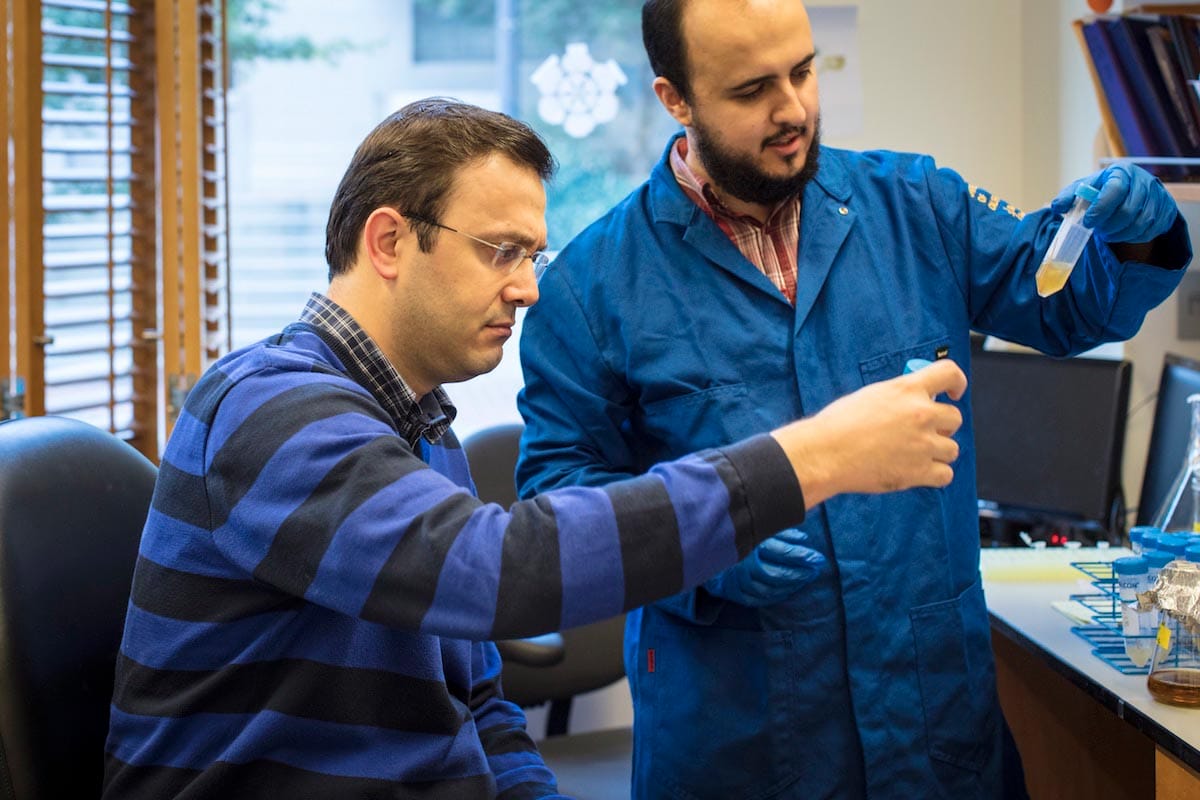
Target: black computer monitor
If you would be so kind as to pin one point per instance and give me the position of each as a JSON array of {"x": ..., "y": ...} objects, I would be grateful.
[
  {"x": 1049, "y": 434},
  {"x": 1169, "y": 433}
]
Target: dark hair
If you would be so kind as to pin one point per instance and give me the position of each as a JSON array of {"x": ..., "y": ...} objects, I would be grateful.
[
  {"x": 662, "y": 36},
  {"x": 409, "y": 162}
]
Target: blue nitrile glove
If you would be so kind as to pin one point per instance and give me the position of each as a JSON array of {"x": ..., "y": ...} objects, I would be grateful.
[
  {"x": 1133, "y": 205},
  {"x": 775, "y": 570}
]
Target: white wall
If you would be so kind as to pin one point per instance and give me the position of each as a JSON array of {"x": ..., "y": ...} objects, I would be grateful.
[
  {"x": 941, "y": 77},
  {"x": 997, "y": 91}
]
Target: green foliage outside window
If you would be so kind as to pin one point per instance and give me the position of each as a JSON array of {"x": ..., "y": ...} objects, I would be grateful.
[{"x": 249, "y": 39}]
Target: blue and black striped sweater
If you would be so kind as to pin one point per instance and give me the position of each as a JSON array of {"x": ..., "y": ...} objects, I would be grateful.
[{"x": 313, "y": 599}]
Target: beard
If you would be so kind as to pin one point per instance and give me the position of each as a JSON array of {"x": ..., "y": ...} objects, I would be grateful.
[{"x": 740, "y": 175}]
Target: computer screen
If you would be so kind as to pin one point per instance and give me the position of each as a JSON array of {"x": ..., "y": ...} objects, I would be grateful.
[
  {"x": 1169, "y": 433},
  {"x": 1049, "y": 434}
]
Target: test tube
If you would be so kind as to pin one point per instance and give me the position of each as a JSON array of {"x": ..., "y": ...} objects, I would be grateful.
[
  {"x": 1173, "y": 543},
  {"x": 1156, "y": 560},
  {"x": 1150, "y": 536},
  {"x": 1132, "y": 573},
  {"x": 1068, "y": 243},
  {"x": 1135, "y": 537}
]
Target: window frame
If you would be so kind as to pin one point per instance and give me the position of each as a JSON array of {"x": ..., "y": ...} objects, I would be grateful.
[{"x": 167, "y": 272}]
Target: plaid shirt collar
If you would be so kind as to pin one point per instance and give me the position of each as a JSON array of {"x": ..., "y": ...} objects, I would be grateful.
[
  {"x": 702, "y": 194},
  {"x": 772, "y": 246},
  {"x": 415, "y": 417}
]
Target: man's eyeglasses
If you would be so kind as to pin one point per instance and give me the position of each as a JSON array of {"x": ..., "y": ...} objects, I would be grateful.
[{"x": 508, "y": 256}]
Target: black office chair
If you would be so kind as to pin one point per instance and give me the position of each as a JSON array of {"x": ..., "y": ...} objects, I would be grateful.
[
  {"x": 554, "y": 669},
  {"x": 73, "y": 499}
]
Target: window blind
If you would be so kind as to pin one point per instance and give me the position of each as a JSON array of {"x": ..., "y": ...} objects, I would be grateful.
[{"x": 98, "y": 278}]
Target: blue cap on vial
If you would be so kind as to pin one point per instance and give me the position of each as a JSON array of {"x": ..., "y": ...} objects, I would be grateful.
[
  {"x": 1150, "y": 538},
  {"x": 1192, "y": 553},
  {"x": 1135, "y": 533},
  {"x": 1173, "y": 543},
  {"x": 1157, "y": 559},
  {"x": 1130, "y": 565},
  {"x": 1087, "y": 192}
]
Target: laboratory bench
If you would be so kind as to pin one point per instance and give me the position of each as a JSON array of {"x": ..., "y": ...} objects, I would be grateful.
[{"x": 1084, "y": 729}]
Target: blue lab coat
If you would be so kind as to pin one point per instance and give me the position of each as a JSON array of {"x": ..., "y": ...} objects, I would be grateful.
[{"x": 655, "y": 337}]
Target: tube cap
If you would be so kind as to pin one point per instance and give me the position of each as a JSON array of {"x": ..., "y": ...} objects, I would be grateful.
[
  {"x": 1158, "y": 558},
  {"x": 1130, "y": 565},
  {"x": 1087, "y": 192},
  {"x": 1173, "y": 544},
  {"x": 1138, "y": 531}
]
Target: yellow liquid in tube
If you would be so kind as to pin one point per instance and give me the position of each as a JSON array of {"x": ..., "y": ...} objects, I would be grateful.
[{"x": 1052, "y": 277}]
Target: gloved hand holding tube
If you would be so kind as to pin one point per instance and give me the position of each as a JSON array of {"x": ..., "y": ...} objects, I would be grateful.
[
  {"x": 1132, "y": 206},
  {"x": 1123, "y": 204},
  {"x": 773, "y": 571}
]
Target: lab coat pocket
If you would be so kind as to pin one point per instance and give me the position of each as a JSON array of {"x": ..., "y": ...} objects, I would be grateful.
[
  {"x": 729, "y": 734},
  {"x": 891, "y": 364},
  {"x": 711, "y": 417},
  {"x": 955, "y": 678}
]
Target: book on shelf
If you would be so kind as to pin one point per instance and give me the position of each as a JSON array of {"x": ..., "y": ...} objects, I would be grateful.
[
  {"x": 1187, "y": 47},
  {"x": 1149, "y": 100},
  {"x": 1112, "y": 134},
  {"x": 1184, "y": 99},
  {"x": 1114, "y": 86},
  {"x": 1143, "y": 70}
]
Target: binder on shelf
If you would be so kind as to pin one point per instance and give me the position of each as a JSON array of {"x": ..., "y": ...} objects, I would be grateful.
[
  {"x": 1112, "y": 132},
  {"x": 1113, "y": 89},
  {"x": 1183, "y": 98},
  {"x": 1128, "y": 35},
  {"x": 1187, "y": 48}
]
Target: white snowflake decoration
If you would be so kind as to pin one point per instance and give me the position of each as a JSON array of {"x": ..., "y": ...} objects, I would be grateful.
[{"x": 577, "y": 92}]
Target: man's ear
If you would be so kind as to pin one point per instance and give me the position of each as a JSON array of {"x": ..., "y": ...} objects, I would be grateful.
[
  {"x": 673, "y": 101},
  {"x": 386, "y": 241}
]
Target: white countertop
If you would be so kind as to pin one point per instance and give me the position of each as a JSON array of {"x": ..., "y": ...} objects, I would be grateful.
[{"x": 1020, "y": 585}]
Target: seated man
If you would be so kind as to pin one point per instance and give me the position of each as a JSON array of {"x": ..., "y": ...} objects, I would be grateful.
[{"x": 317, "y": 583}]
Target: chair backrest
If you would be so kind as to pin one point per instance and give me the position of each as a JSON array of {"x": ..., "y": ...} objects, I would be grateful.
[
  {"x": 592, "y": 653},
  {"x": 73, "y": 500},
  {"x": 492, "y": 455},
  {"x": 592, "y": 659}
]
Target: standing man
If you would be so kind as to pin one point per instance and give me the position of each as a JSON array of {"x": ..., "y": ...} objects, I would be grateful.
[
  {"x": 753, "y": 278},
  {"x": 317, "y": 582}
]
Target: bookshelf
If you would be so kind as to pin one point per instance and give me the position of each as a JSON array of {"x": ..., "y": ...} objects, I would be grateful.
[{"x": 1144, "y": 66}]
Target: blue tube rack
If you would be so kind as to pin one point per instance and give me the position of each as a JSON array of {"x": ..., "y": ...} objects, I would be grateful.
[{"x": 1105, "y": 633}]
